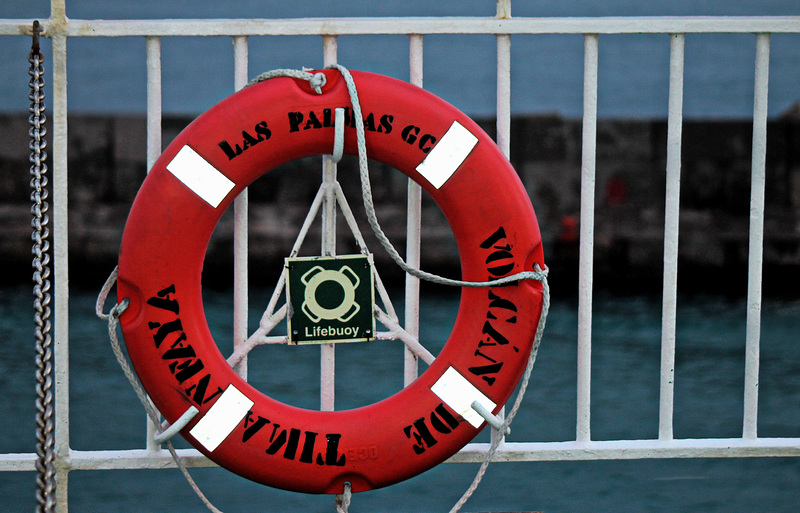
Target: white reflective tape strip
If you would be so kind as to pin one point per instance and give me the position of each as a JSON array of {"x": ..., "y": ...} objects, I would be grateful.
[
  {"x": 448, "y": 154},
  {"x": 201, "y": 177},
  {"x": 458, "y": 394},
  {"x": 222, "y": 418}
]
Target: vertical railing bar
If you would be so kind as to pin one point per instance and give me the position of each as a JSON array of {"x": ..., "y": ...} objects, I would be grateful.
[
  {"x": 503, "y": 107},
  {"x": 756, "y": 247},
  {"x": 153, "y": 48},
  {"x": 413, "y": 229},
  {"x": 503, "y": 9},
  {"x": 154, "y": 109},
  {"x": 671, "y": 234},
  {"x": 586, "y": 256},
  {"x": 60, "y": 258},
  {"x": 504, "y": 94},
  {"x": 240, "y": 226},
  {"x": 327, "y": 351}
]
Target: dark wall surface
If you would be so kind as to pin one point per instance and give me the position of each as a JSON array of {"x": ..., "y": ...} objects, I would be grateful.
[{"x": 107, "y": 164}]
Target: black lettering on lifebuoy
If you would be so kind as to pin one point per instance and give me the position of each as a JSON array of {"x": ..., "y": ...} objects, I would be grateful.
[
  {"x": 165, "y": 329},
  {"x": 478, "y": 353},
  {"x": 200, "y": 388},
  {"x": 426, "y": 143},
  {"x": 295, "y": 118},
  {"x": 164, "y": 301},
  {"x": 483, "y": 370},
  {"x": 327, "y": 118},
  {"x": 332, "y": 456},
  {"x": 349, "y": 118},
  {"x": 248, "y": 140},
  {"x": 313, "y": 121},
  {"x": 251, "y": 427},
  {"x": 421, "y": 434},
  {"x": 369, "y": 122},
  {"x": 490, "y": 330},
  {"x": 289, "y": 440},
  {"x": 496, "y": 301},
  {"x": 307, "y": 454},
  {"x": 499, "y": 262},
  {"x": 440, "y": 419},
  {"x": 187, "y": 367},
  {"x": 410, "y": 134},
  {"x": 386, "y": 123},
  {"x": 230, "y": 152},
  {"x": 292, "y": 443},
  {"x": 409, "y": 137},
  {"x": 494, "y": 238},
  {"x": 278, "y": 442},
  {"x": 500, "y": 259},
  {"x": 262, "y": 130}
]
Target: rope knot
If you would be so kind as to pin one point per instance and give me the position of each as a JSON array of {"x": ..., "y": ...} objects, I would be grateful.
[
  {"x": 119, "y": 308},
  {"x": 317, "y": 82}
]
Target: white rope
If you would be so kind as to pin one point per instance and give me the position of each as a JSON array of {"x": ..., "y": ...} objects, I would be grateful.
[
  {"x": 343, "y": 499},
  {"x": 317, "y": 80},
  {"x": 517, "y": 402},
  {"x": 113, "y": 321},
  {"x": 538, "y": 274},
  {"x": 369, "y": 206}
]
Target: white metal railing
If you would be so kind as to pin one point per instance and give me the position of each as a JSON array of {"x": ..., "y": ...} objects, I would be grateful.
[{"x": 60, "y": 29}]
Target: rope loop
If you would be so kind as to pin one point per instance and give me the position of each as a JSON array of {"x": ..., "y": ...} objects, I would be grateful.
[
  {"x": 343, "y": 499},
  {"x": 316, "y": 80}
]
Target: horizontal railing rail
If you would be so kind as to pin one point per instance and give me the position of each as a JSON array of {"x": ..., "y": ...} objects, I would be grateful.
[{"x": 407, "y": 25}]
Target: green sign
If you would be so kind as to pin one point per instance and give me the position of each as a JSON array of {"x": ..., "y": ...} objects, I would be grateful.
[{"x": 331, "y": 299}]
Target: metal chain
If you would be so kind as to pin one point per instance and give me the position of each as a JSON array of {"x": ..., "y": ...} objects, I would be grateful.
[{"x": 45, "y": 463}]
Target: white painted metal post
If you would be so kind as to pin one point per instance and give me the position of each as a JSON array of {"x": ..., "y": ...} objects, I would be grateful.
[
  {"x": 671, "y": 225},
  {"x": 756, "y": 250},
  {"x": 503, "y": 121},
  {"x": 413, "y": 230},
  {"x": 504, "y": 94},
  {"x": 586, "y": 255},
  {"x": 240, "y": 238},
  {"x": 153, "y": 48},
  {"x": 153, "y": 59},
  {"x": 503, "y": 9},
  {"x": 328, "y": 351},
  {"x": 60, "y": 257}
]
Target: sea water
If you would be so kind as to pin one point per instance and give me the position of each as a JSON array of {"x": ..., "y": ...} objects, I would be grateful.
[{"x": 626, "y": 336}]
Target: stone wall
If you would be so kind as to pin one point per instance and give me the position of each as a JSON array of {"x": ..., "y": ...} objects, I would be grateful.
[{"x": 107, "y": 165}]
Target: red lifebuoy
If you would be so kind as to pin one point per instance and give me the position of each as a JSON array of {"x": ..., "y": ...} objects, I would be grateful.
[{"x": 165, "y": 242}]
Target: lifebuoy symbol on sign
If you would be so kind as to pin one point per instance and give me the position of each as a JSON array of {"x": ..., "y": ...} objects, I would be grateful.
[{"x": 348, "y": 306}]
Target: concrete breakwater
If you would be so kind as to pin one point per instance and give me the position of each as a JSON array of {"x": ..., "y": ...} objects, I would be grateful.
[{"x": 107, "y": 165}]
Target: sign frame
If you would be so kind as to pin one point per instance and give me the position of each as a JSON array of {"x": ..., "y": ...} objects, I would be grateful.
[{"x": 349, "y": 280}]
